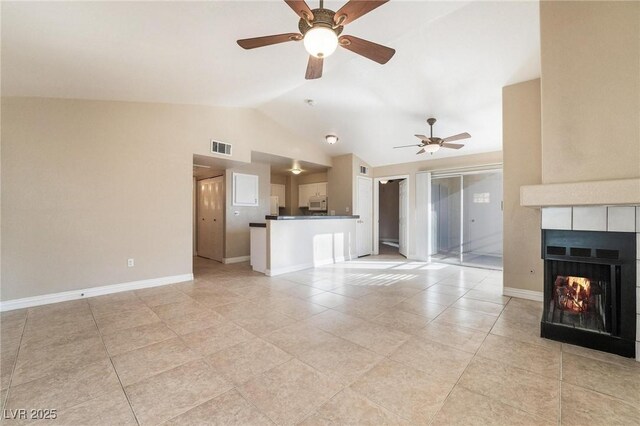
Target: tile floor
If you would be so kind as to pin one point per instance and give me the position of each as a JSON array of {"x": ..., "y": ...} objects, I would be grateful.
[{"x": 376, "y": 341}]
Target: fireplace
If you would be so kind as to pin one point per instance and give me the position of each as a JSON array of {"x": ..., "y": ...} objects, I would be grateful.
[{"x": 589, "y": 290}]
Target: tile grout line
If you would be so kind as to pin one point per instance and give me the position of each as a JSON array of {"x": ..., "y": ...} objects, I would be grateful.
[
  {"x": 113, "y": 365},
  {"x": 15, "y": 363},
  {"x": 560, "y": 389}
]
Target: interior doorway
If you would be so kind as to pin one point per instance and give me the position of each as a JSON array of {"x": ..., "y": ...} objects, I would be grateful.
[
  {"x": 391, "y": 215},
  {"x": 466, "y": 218}
]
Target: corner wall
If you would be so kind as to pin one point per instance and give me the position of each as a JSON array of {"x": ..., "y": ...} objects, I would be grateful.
[{"x": 522, "y": 156}]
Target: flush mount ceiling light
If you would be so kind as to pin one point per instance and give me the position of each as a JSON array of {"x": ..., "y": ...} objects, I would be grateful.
[
  {"x": 296, "y": 171},
  {"x": 384, "y": 182},
  {"x": 331, "y": 139}
]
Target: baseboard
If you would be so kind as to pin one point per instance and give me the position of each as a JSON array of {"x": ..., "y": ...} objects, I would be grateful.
[
  {"x": 288, "y": 269},
  {"x": 523, "y": 294},
  {"x": 46, "y": 299},
  {"x": 239, "y": 259},
  {"x": 302, "y": 266}
]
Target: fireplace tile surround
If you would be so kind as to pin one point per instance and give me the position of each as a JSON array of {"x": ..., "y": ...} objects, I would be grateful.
[{"x": 604, "y": 219}]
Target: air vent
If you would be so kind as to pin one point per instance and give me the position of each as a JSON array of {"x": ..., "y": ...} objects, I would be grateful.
[
  {"x": 580, "y": 252},
  {"x": 607, "y": 254},
  {"x": 220, "y": 148},
  {"x": 364, "y": 170},
  {"x": 555, "y": 250}
]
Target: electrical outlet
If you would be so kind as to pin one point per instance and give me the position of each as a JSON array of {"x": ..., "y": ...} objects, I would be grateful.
[
  {"x": 347, "y": 209},
  {"x": 131, "y": 263}
]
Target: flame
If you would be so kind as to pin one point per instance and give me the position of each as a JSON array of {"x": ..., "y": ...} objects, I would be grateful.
[{"x": 573, "y": 293}]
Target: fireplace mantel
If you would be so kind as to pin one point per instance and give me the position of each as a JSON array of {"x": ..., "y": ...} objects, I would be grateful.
[{"x": 609, "y": 192}]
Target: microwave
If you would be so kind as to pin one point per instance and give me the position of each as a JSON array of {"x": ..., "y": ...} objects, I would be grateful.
[{"x": 318, "y": 204}]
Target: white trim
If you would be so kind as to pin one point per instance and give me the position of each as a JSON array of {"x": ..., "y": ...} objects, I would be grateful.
[
  {"x": 64, "y": 296},
  {"x": 302, "y": 266},
  {"x": 239, "y": 259},
  {"x": 376, "y": 210},
  {"x": 294, "y": 268},
  {"x": 523, "y": 294}
]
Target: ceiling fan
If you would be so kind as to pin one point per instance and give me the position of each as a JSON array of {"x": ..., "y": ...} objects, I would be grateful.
[
  {"x": 320, "y": 31},
  {"x": 432, "y": 144}
]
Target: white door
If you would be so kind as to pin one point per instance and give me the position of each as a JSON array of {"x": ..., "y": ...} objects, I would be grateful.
[
  {"x": 210, "y": 231},
  {"x": 402, "y": 218},
  {"x": 364, "y": 228}
]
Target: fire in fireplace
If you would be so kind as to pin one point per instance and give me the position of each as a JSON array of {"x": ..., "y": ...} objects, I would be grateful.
[
  {"x": 589, "y": 296},
  {"x": 573, "y": 294}
]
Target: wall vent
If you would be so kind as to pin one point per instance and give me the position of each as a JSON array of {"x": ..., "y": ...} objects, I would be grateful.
[
  {"x": 220, "y": 148},
  {"x": 364, "y": 170}
]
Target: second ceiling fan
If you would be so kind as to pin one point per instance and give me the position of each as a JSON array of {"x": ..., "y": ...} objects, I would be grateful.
[
  {"x": 320, "y": 31},
  {"x": 432, "y": 144}
]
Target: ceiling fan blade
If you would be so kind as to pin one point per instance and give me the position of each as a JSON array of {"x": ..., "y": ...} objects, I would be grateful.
[
  {"x": 420, "y": 152},
  {"x": 376, "y": 52},
  {"x": 423, "y": 138},
  {"x": 252, "y": 43},
  {"x": 457, "y": 137},
  {"x": 355, "y": 9},
  {"x": 452, "y": 145},
  {"x": 300, "y": 8},
  {"x": 314, "y": 68},
  {"x": 406, "y": 146}
]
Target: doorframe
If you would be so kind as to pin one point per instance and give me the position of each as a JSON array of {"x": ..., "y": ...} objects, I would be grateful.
[
  {"x": 376, "y": 210},
  {"x": 196, "y": 223}
]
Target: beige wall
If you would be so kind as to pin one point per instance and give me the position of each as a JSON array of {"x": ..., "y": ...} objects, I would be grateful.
[
  {"x": 88, "y": 184},
  {"x": 411, "y": 169},
  {"x": 340, "y": 185},
  {"x": 278, "y": 179},
  {"x": 590, "y": 53},
  {"x": 318, "y": 177},
  {"x": 522, "y": 156},
  {"x": 389, "y": 202},
  {"x": 237, "y": 218}
]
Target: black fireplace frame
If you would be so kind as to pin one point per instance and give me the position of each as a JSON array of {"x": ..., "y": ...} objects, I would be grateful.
[{"x": 616, "y": 249}]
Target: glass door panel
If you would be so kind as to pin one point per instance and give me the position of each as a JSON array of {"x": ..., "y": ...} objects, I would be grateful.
[
  {"x": 482, "y": 219},
  {"x": 446, "y": 210}
]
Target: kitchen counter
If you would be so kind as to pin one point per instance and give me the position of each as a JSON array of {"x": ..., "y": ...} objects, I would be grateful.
[
  {"x": 284, "y": 244},
  {"x": 309, "y": 217}
]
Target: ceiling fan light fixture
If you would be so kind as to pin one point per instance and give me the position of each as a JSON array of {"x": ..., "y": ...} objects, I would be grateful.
[
  {"x": 320, "y": 41},
  {"x": 431, "y": 148},
  {"x": 331, "y": 139},
  {"x": 296, "y": 171}
]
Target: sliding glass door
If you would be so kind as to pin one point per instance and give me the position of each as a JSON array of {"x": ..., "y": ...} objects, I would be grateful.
[{"x": 466, "y": 218}]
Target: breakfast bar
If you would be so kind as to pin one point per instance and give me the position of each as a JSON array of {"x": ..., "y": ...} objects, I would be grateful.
[{"x": 285, "y": 244}]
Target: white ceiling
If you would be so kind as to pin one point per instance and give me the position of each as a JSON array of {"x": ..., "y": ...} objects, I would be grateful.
[{"x": 452, "y": 60}]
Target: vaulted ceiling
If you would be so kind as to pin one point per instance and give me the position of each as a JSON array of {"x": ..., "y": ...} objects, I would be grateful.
[{"x": 452, "y": 60}]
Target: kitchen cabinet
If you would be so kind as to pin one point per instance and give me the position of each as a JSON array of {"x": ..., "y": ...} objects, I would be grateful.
[
  {"x": 311, "y": 190},
  {"x": 279, "y": 190}
]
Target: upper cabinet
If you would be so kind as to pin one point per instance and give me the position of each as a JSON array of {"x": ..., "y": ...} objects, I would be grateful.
[
  {"x": 305, "y": 192},
  {"x": 279, "y": 190},
  {"x": 245, "y": 190},
  {"x": 322, "y": 188}
]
